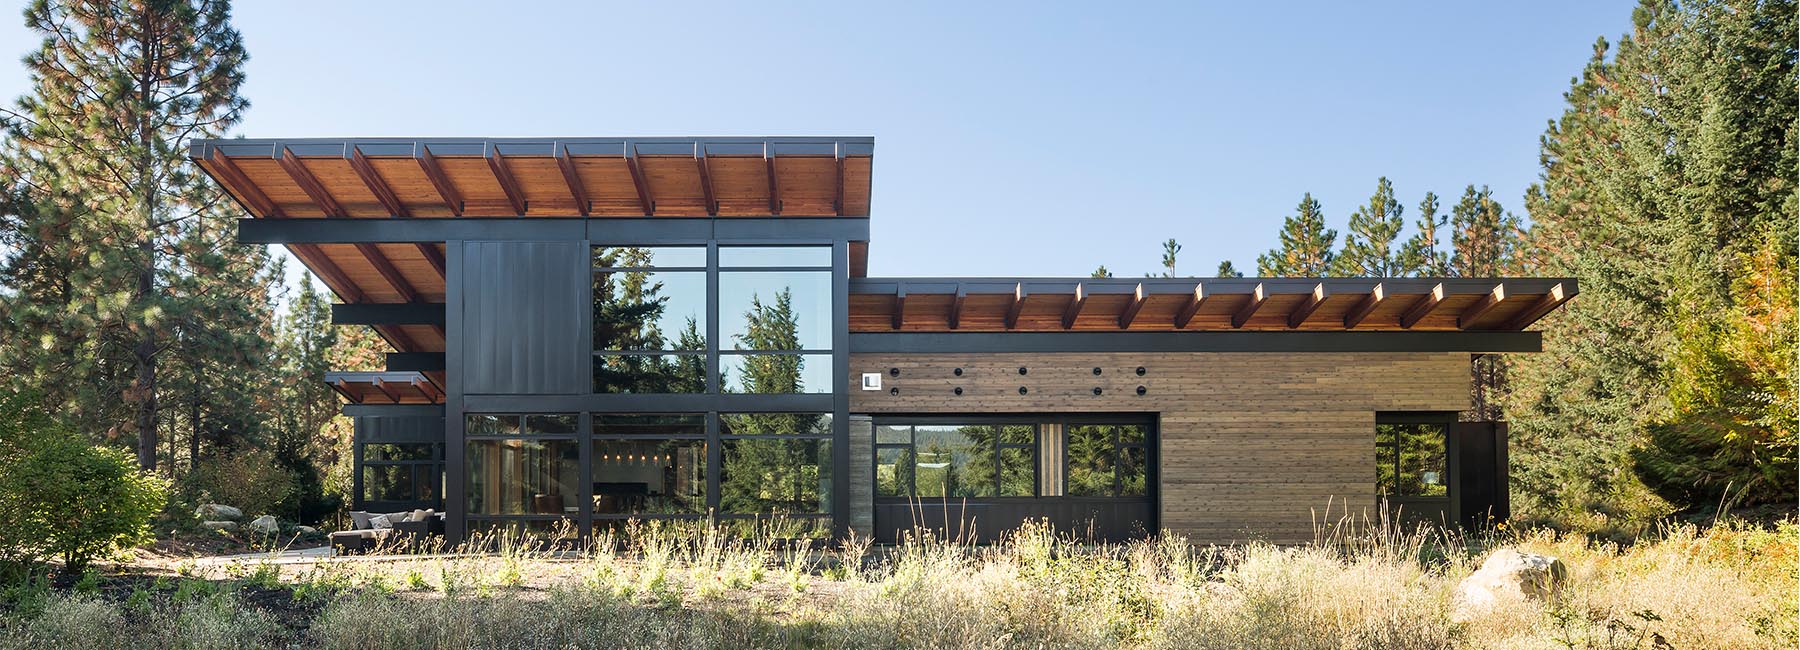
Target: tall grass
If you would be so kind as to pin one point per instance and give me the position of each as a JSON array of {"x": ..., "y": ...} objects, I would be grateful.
[{"x": 1359, "y": 584}]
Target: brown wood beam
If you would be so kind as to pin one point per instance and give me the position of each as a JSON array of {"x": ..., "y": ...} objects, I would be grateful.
[
  {"x": 382, "y": 385},
  {"x": 503, "y": 175},
  {"x": 426, "y": 390},
  {"x": 1423, "y": 307},
  {"x": 374, "y": 182},
  {"x": 706, "y": 188},
  {"x": 1306, "y": 308},
  {"x": 1482, "y": 307},
  {"x": 1258, "y": 298},
  {"x": 899, "y": 306},
  {"x": 343, "y": 388},
  {"x": 1365, "y": 306},
  {"x": 774, "y": 187},
  {"x": 573, "y": 178},
  {"x": 1132, "y": 308},
  {"x": 1018, "y": 304},
  {"x": 251, "y": 194},
  {"x": 308, "y": 183},
  {"x": 1075, "y": 306},
  {"x": 1551, "y": 299},
  {"x": 386, "y": 268},
  {"x": 956, "y": 305},
  {"x": 398, "y": 338},
  {"x": 435, "y": 173},
  {"x": 320, "y": 265},
  {"x": 638, "y": 183},
  {"x": 837, "y": 202},
  {"x": 432, "y": 257},
  {"x": 1185, "y": 315}
]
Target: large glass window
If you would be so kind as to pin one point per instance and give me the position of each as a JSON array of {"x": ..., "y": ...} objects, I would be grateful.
[
  {"x": 1106, "y": 460},
  {"x": 957, "y": 460},
  {"x": 775, "y": 464},
  {"x": 648, "y": 465},
  {"x": 409, "y": 472},
  {"x": 775, "y": 303},
  {"x": 650, "y": 315},
  {"x": 1411, "y": 458},
  {"x": 522, "y": 465}
]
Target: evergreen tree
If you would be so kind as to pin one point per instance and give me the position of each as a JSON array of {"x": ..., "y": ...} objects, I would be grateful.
[
  {"x": 1305, "y": 245},
  {"x": 1170, "y": 248},
  {"x": 1486, "y": 240},
  {"x": 1369, "y": 245},
  {"x": 1423, "y": 253},
  {"x": 1668, "y": 190},
  {"x": 1101, "y": 272},
  {"x": 1226, "y": 270},
  {"x": 107, "y": 202}
]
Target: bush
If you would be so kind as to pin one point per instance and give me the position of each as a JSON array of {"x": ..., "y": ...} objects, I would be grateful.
[
  {"x": 61, "y": 497},
  {"x": 249, "y": 478}
]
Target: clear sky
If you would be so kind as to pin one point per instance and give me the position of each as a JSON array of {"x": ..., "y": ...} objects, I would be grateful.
[{"x": 1012, "y": 139}]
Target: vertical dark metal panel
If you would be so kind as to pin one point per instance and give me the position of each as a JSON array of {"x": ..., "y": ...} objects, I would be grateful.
[
  {"x": 455, "y": 470},
  {"x": 1502, "y": 474},
  {"x": 1480, "y": 473},
  {"x": 840, "y": 388},
  {"x": 356, "y": 466},
  {"x": 585, "y": 456},
  {"x": 523, "y": 314}
]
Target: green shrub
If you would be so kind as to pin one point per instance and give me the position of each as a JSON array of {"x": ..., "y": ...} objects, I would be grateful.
[{"x": 64, "y": 498}]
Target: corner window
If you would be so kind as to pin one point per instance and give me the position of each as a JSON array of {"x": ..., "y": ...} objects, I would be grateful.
[
  {"x": 1107, "y": 460},
  {"x": 1411, "y": 457}
]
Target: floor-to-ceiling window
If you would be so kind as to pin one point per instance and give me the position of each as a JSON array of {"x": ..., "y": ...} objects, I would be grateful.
[
  {"x": 523, "y": 471},
  {"x": 1412, "y": 464}
]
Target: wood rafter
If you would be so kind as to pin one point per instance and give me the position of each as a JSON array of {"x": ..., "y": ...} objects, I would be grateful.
[
  {"x": 375, "y": 183},
  {"x": 1075, "y": 306},
  {"x": 638, "y": 183},
  {"x": 1423, "y": 307},
  {"x": 386, "y": 268},
  {"x": 249, "y": 191},
  {"x": 503, "y": 175},
  {"x": 1482, "y": 307},
  {"x": 425, "y": 389},
  {"x": 1365, "y": 306},
  {"x": 774, "y": 187},
  {"x": 1018, "y": 304},
  {"x": 837, "y": 202},
  {"x": 570, "y": 176},
  {"x": 1258, "y": 298},
  {"x": 435, "y": 173},
  {"x": 1185, "y": 315},
  {"x": 706, "y": 188},
  {"x": 383, "y": 386},
  {"x": 1551, "y": 299},
  {"x": 343, "y": 388},
  {"x": 899, "y": 306},
  {"x": 956, "y": 305},
  {"x": 1306, "y": 307},
  {"x": 432, "y": 256},
  {"x": 1138, "y": 297},
  {"x": 309, "y": 183}
]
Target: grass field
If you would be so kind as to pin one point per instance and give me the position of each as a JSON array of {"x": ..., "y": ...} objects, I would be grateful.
[{"x": 1729, "y": 586}]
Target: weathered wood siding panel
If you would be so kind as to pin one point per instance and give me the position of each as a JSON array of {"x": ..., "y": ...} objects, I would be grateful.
[{"x": 1251, "y": 445}]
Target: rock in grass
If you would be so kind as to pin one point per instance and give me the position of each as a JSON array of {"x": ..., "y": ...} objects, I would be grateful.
[
  {"x": 219, "y": 525},
  {"x": 266, "y": 524},
  {"x": 1507, "y": 575},
  {"x": 217, "y": 512}
]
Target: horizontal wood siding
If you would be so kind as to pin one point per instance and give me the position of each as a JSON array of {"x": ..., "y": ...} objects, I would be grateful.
[{"x": 1252, "y": 445}]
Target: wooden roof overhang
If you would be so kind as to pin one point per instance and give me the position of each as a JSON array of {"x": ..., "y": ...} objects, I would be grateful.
[
  {"x": 520, "y": 178},
  {"x": 1224, "y": 304},
  {"x": 387, "y": 387}
]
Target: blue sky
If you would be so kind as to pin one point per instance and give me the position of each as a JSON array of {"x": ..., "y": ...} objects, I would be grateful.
[{"x": 1012, "y": 139}]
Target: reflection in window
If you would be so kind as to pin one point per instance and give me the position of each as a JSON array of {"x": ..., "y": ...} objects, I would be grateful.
[
  {"x": 775, "y": 310},
  {"x": 523, "y": 476},
  {"x": 607, "y": 257},
  {"x": 774, "y": 256},
  {"x": 775, "y": 475},
  {"x": 1106, "y": 460},
  {"x": 1410, "y": 459},
  {"x": 676, "y": 424},
  {"x": 776, "y": 373},
  {"x": 649, "y": 477},
  {"x": 955, "y": 461},
  {"x": 649, "y": 373},
  {"x": 760, "y": 424},
  {"x": 643, "y": 310},
  {"x": 401, "y": 472}
]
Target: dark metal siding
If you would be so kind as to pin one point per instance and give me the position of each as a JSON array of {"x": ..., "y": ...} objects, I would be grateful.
[
  {"x": 385, "y": 428},
  {"x": 523, "y": 313}
]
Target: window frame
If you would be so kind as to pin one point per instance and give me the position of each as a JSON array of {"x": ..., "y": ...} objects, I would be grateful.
[
  {"x": 828, "y": 460},
  {"x": 1118, "y": 451},
  {"x": 573, "y": 438},
  {"x": 1446, "y": 419},
  {"x": 913, "y": 423},
  {"x": 435, "y": 462},
  {"x": 708, "y": 281}
]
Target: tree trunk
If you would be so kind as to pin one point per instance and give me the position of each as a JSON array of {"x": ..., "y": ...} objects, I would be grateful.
[{"x": 145, "y": 354}]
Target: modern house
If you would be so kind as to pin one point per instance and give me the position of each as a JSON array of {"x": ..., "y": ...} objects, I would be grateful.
[{"x": 587, "y": 330}]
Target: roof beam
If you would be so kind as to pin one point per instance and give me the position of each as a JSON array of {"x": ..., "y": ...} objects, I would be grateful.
[
  {"x": 638, "y": 183},
  {"x": 334, "y": 277},
  {"x": 1556, "y": 296},
  {"x": 1365, "y": 306},
  {"x": 432, "y": 257},
  {"x": 837, "y": 201},
  {"x": 397, "y": 337},
  {"x": 428, "y": 164},
  {"x": 1423, "y": 307},
  {"x": 235, "y": 178},
  {"x": 411, "y": 313},
  {"x": 573, "y": 178},
  {"x": 382, "y": 385},
  {"x": 1306, "y": 308},
  {"x": 706, "y": 188},
  {"x": 428, "y": 391},
  {"x": 373, "y": 181},
  {"x": 1185, "y": 315},
  {"x": 774, "y": 187},
  {"x": 1481, "y": 307},
  {"x": 343, "y": 388},
  {"x": 1138, "y": 296},
  {"x": 308, "y": 183},
  {"x": 1018, "y": 304},
  {"x": 956, "y": 305},
  {"x": 1258, "y": 297},
  {"x": 503, "y": 175},
  {"x": 388, "y": 272},
  {"x": 899, "y": 306},
  {"x": 1075, "y": 306}
]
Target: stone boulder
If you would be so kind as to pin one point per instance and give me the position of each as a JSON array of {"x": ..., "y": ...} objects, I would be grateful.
[
  {"x": 1508, "y": 576},
  {"x": 266, "y": 524},
  {"x": 306, "y": 530},
  {"x": 217, "y": 512},
  {"x": 219, "y": 525}
]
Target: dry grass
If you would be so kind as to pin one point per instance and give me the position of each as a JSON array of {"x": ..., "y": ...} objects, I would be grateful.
[{"x": 1356, "y": 587}]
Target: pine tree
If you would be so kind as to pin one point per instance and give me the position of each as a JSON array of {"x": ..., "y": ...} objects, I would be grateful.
[
  {"x": 1305, "y": 245},
  {"x": 98, "y": 152},
  {"x": 1170, "y": 248},
  {"x": 1101, "y": 272},
  {"x": 1226, "y": 270},
  {"x": 1485, "y": 236},
  {"x": 1423, "y": 254},
  {"x": 1369, "y": 245}
]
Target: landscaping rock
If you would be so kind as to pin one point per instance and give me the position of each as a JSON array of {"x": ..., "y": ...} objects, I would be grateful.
[
  {"x": 266, "y": 524},
  {"x": 306, "y": 530},
  {"x": 217, "y": 512},
  {"x": 219, "y": 525},
  {"x": 1508, "y": 575}
]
